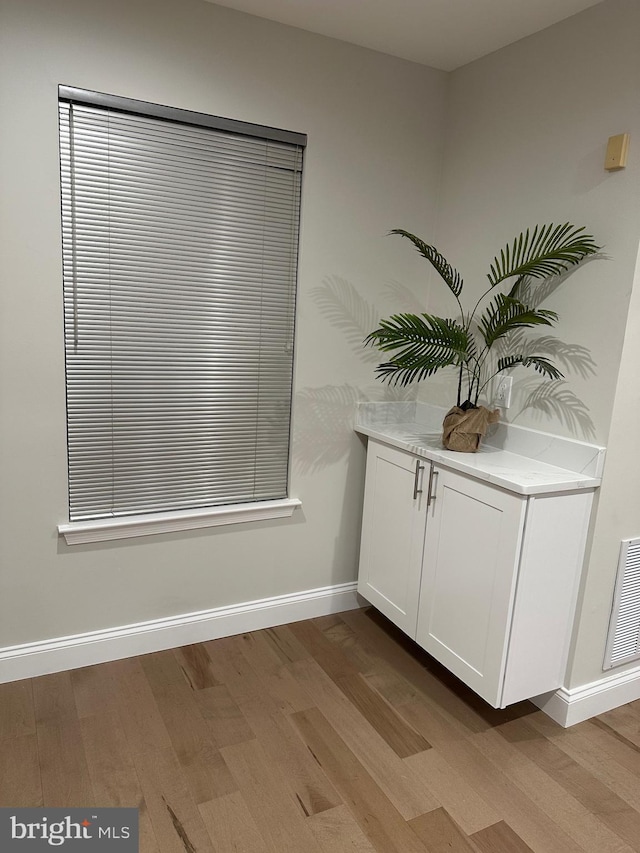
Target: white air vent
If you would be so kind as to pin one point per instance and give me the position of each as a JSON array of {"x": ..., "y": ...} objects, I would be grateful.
[{"x": 623, "y": 643}]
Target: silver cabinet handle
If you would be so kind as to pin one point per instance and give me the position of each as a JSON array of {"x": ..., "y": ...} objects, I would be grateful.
[
  {"x": 416, "y": 479},
  {"x": 433, "y": 482}
]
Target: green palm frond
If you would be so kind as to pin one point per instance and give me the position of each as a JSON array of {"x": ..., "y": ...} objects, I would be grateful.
[
  {"x": 504, "y": 314},
  {"x": 546, "y": 251},
  {"x": 538, "y": 362},
  {"x": 421, "y": 345},
  {"x": 449, "y": 275}
]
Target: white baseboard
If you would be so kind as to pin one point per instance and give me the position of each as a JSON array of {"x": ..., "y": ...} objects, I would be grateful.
[
  {"x": 569, "y": 706},
  {"x": 62, "y": 653}
]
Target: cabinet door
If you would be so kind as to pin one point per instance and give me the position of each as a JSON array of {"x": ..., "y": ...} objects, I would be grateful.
[
  {"x": 393, "y": 533},
  {"x": 469, "y": 575}
]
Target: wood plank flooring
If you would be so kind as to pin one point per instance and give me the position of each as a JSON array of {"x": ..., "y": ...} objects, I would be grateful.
[{"x": 335, "y": 735}]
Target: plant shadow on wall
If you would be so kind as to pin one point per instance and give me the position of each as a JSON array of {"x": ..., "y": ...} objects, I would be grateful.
[
  {"x": 487, "y": 340},
  {"x": 324, "y": 416},
  {"x": 553, "y": 398}
]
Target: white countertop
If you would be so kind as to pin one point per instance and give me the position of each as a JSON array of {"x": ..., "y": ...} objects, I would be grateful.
[{"x": 519, "y": 472}]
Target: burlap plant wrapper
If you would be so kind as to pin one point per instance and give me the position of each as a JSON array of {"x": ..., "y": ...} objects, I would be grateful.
[{"x": 462, "y": 430}]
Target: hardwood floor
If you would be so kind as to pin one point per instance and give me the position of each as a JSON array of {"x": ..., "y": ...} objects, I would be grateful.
[{"x": 332, "y": 735}]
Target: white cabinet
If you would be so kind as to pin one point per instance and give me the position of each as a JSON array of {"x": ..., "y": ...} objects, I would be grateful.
[
  {"x": 468, "y": 579},
  {"x": 484, "y": 579},
  {"x": 394, "y": 517}
]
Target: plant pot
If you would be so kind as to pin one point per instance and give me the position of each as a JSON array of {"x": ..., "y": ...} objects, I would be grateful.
[{"x": 462, "y": 430}]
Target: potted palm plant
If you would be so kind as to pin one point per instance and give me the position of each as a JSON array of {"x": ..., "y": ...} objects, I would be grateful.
[{"x": 420, "y": 345}]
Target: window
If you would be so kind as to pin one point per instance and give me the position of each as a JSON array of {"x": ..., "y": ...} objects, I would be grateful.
[{"x": 180, "y": 235}]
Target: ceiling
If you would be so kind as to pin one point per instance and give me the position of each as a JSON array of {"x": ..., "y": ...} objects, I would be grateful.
[{"x": 444, "y": 34}]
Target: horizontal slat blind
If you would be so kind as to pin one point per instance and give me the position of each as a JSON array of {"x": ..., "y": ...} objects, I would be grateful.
[{"x": 179, "y": 253}]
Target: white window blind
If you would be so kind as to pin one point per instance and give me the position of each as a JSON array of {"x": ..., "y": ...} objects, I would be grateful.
[{"x": 179, "y": 256}]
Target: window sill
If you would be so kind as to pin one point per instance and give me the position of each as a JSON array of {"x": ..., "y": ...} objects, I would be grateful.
[{"x": 79, "y": 532}]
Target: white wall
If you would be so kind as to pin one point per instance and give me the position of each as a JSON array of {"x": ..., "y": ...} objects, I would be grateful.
[
  {"x": 618, "y": 514},
  {"x": 526, "y": 138},
  {"x": 373, "y": 162}
]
